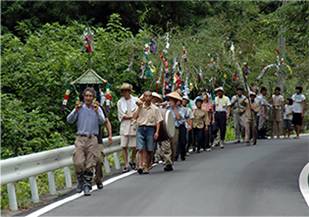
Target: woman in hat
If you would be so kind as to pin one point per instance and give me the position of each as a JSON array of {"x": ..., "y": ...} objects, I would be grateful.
[
  {"x": 126, "y": 107},
  {"x": 200, "y": 124},
  {"x": 179, "y": 140},
  {"x": 208, "y": 107}
]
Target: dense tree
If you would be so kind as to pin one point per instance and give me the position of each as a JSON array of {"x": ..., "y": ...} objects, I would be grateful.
[{"x": 41, "y": 53}]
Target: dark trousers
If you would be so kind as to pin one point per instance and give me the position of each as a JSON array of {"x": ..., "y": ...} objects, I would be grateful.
[
  {"x": 211, "y": 133},
  {"x": 181, "y": 147},
  {"x": 199, "y": 138},
  {"x": 220, "y": 122},
  {"x": 207, "y": 137},
  {"x": 261, "y": 133},
  {"x": 190, "y": 140}
]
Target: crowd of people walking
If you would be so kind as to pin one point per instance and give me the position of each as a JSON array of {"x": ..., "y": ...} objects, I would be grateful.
[{"x": 156, "y": 128}]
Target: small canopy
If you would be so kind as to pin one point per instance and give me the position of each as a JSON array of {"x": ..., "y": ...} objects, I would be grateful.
[{"x": 89, "y": 77}]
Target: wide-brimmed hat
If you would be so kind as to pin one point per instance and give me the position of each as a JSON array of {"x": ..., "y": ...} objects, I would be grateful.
[
  {"x": 155, "y": 94},
  {"x": 126, "y": 86},
  {"x": 174, "y": 95},
  {"x": 219, "y": 89}
]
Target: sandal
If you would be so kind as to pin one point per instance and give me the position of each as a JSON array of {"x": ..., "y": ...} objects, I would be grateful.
[{"x": 125, "y": 170}]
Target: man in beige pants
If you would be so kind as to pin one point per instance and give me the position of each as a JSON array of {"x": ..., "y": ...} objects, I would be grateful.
[
  {"x": 126, "y": 107},
  {"x": 88, "y": 116}
]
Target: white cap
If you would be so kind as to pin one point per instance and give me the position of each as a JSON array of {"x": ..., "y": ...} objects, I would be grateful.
[
  {"x": 186, "y": 98},
  {"x": 252, "y": 93},
  {"x": 219, "y": 88}
]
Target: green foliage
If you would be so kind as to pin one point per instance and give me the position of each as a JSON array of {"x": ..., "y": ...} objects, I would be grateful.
[{"x": 37, "y": 67}]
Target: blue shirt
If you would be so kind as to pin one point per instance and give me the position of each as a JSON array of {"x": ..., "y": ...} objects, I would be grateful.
[
  {"x": 87, "y": 120},
  {"x": 182, "y": 114}
]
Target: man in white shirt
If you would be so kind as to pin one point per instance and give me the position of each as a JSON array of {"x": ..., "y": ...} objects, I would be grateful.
[
  {"x": 298, "y": 109},
  {"x": 126, "y": 107},
  {"x": 222, "y": 112}
]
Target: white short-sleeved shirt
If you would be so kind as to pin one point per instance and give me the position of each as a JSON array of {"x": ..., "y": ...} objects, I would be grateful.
[
  {"x": 298, "y": 99},
  {"x": 222, "y": 103},
  {"x": 288, "y": 109}
]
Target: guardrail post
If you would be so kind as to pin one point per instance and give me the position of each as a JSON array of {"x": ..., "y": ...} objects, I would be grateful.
[
  {"x": 106, "y": 165},
  {"x": 51, "y": 183},
  {"x": 67, "y": 176},
  {"x": 34, "y": 189},
  {"x": 12, "y": 196},
  {"x": 117, "y": 161}
]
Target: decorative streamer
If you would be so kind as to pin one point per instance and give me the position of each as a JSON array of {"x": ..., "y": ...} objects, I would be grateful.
[
  {"x": 88, "y": 40},
  {"x": 66, "y": 98},
  {"x": 108, "y": 98},
  {"x": 278, "y": 65}
]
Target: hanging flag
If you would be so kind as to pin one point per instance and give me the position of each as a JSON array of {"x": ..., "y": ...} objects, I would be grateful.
[{"x": 88, "y": 40}]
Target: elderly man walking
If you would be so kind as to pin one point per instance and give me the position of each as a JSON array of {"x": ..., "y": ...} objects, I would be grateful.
[
  {"x": 87, "y": 152},
  {"x": 126, "y": 107},
  {"x": 148, "y": 118}
]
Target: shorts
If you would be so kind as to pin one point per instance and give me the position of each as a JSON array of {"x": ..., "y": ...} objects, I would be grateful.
[
  {"x": 297, "y": 119},
  {"x": 287, "y": 124},
  {"x": 127, "y": 141},
  {"x": 144, "y": 138}
]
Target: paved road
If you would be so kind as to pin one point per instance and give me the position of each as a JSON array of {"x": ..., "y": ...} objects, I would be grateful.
[{"x": 239, "y": 180}]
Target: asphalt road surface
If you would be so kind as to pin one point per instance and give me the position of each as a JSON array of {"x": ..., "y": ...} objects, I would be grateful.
[{"x": 239, "y": 180}]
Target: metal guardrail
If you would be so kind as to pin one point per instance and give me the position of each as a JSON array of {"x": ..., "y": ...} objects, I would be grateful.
[{"x": 29, "y": 166}]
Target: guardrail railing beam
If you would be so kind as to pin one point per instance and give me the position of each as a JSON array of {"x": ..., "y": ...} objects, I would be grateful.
[{"x": 32, "y": 165}]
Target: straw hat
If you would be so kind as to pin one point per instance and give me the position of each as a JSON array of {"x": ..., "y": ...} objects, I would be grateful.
[
  {"x": 155, "y": 94},
  {"x": 174, "y": 95},
  {"x": 219, "y": 89},
  {"x": 126, "y": 86}
]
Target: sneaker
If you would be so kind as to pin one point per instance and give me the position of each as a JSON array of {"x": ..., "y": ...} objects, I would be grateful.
[
  {"x": 125, "y": 170},
  {"x": 132, "y": 165},
  {"x": 146, "y": 170},
  {"x": 208, "y": 150},
  {"x": 221, "y": 144},
  {"x": 79, "y": 187},
  {"x": 87, "y": 190},
  {"x": 99, "y": 185},
  {"x": 168, "y": 168},
  {"x": 140, "y": 171}
]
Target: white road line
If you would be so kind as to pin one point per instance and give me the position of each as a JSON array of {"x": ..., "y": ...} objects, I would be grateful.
[
  {"x": 75, "y": 196},
  {"x": 304, "y": 183}
]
